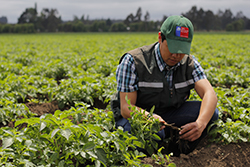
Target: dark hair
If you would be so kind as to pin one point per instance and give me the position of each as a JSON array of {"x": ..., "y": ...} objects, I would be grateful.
[{"x": 163, "y": 37}]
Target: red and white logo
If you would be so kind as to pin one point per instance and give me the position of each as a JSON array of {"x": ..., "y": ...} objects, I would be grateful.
[{"x": 182, "y": 32}]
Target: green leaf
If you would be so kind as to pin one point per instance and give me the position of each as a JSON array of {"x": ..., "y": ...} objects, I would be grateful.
[
  {"x": 152, "y": 110},
  {"x": 138, "y": 144},
  {"x": 43, "y": 125},
  {"x": 18, "y": 122},
  {"x": 63, "y": 115},
  {"x": 105, "y": 134},
  {"x": 101, "y": 155},
  {"x": 91, "y": 153},
  {"x": 61, "y": 163},
  {"x": 89, "y": 146},
  {"x": 54, "y": 132},
  {"x": 117, "y": 145},
  {"x": 154, "y": 144},
  {"x": 54, "y": 157},
  {"x": 9, "y": 132},
  {"x": 57, "y": 113},
  {"x": 172, "y": 165},
  {"x": 83, "y": 154},
  {"x": 27, "y": 163},
  {"x": 7, "y": 142},
  {"x": 28, "y": 143},
  {"x": 150, "y": 149},
  {"x": 66, "y": 133},
  {"x": 19, "y": 138},
  {"x": 97, "y": 163},
  {"x": 156, "y": 137}
]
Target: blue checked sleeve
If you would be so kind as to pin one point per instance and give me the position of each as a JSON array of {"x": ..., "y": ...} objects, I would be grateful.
[
  {"x": 126, "y": 75},
  {"x": 198, "y": 72}
]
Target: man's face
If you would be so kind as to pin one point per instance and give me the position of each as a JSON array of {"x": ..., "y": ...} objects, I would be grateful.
[{"x": 170, "y": 59}]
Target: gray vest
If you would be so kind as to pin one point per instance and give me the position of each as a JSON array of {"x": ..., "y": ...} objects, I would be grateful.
[{"x": 153, "y": 87}]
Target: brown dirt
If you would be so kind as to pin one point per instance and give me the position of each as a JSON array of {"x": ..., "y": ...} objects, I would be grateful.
[
  {"x": 206, "y": 155},
  {"x": 212, "y": 155},
  {"x": 42, "y": 108}
]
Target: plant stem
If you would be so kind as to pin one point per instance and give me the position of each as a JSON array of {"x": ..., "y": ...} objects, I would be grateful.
[{"x": 173, "y": 127}]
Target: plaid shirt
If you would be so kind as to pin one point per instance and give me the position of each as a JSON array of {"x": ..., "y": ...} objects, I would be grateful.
[{"x": 127, "y": 79}]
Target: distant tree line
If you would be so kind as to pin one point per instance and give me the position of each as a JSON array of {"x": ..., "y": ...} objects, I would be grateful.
[
  {"x": 207, "y": 20},
  {"x": 49, "y": 20}
]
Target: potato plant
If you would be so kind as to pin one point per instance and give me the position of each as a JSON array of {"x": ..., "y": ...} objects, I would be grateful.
[{"x": 70, "y": 138}]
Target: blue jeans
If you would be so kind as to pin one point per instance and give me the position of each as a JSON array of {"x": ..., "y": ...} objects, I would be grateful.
[{"x": 187, "y": 113}]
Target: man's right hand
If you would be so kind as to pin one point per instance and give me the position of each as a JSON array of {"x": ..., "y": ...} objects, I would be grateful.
[{"x": 161, "y": 120}]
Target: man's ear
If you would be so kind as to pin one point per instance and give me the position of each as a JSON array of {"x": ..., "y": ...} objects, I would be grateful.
[{"x": 159, "y": 37}]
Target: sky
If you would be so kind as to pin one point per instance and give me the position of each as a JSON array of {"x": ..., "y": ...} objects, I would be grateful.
[{"x": 119, "y": 9}]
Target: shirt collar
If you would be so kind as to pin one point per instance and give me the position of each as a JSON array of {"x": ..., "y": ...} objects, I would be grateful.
[{"x": 160, "y": 62}]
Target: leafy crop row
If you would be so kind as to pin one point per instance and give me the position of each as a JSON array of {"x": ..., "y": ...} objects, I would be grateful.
[
  {"x": 56, "y": 140},
  {"x": 78, "y": 136}
]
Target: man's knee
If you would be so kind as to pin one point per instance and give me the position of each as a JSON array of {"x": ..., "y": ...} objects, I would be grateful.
[
  {"x": 215, "y": 116},
  {"x": 123, "y": 123}
]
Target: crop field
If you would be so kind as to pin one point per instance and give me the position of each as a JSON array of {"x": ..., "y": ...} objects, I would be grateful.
[{"x": 73, "y": 75}]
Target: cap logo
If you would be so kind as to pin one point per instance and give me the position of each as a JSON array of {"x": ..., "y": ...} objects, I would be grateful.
[{"x": 182, "y": 32}]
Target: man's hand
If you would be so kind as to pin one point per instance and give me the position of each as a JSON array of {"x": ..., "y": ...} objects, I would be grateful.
[
  {"x": 191, "y": 131},
  {"x": 160, "y": 119}
]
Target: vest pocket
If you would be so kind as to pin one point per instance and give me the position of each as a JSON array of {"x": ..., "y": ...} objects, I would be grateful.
[
  {"x": 183, "y": 93},
  {"x": 148, "y": 97}
]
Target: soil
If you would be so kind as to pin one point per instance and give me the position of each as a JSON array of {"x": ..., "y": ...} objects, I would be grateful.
[
  {"x": 212, "y": 155},
  {"x": 206, "y": 154}
]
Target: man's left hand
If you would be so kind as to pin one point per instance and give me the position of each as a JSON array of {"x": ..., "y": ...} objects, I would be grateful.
[{"x": 191, "y": 131}]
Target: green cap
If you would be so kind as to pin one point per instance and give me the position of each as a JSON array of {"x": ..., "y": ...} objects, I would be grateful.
[{"x": 178, "y": 31}]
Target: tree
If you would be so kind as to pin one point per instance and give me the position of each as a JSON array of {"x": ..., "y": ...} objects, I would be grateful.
[
  {"x": 66, "y": 27},
  {"x": 24, "y": 28},
  {"x": 146, "y": 21},
  {"x": 79, "y": 27},
  {"x": 108, "y": 22},
  {"x": 200, "y": 19},
  {"x": 82, "y": 18},
  {"x": 217, "y": 23},
  {"x": 132, "y": 19},
  {"x": 28, "y": 16},
  {"x": 192, "y": 16},
  {"x": 226, "y": 18},
  {"x": 75, "y": 19},
  {"x": 208, "y": 20},
  {"x": 240, "y": 15},
  {"x": 164, "y": 18},
  {"x": 138, "y": 15},
  {"x": 3, "y": 20},
  {"x": 129, "y": 19},
  {"x": 50, "y": 19},
  {"x": 6, "y": 28},
  {"x": 147, "y": 17},
  {"x": 237, "y": 25},
  {"x": 99, "y": 26},
  {"x": 118, "y": 27}
]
